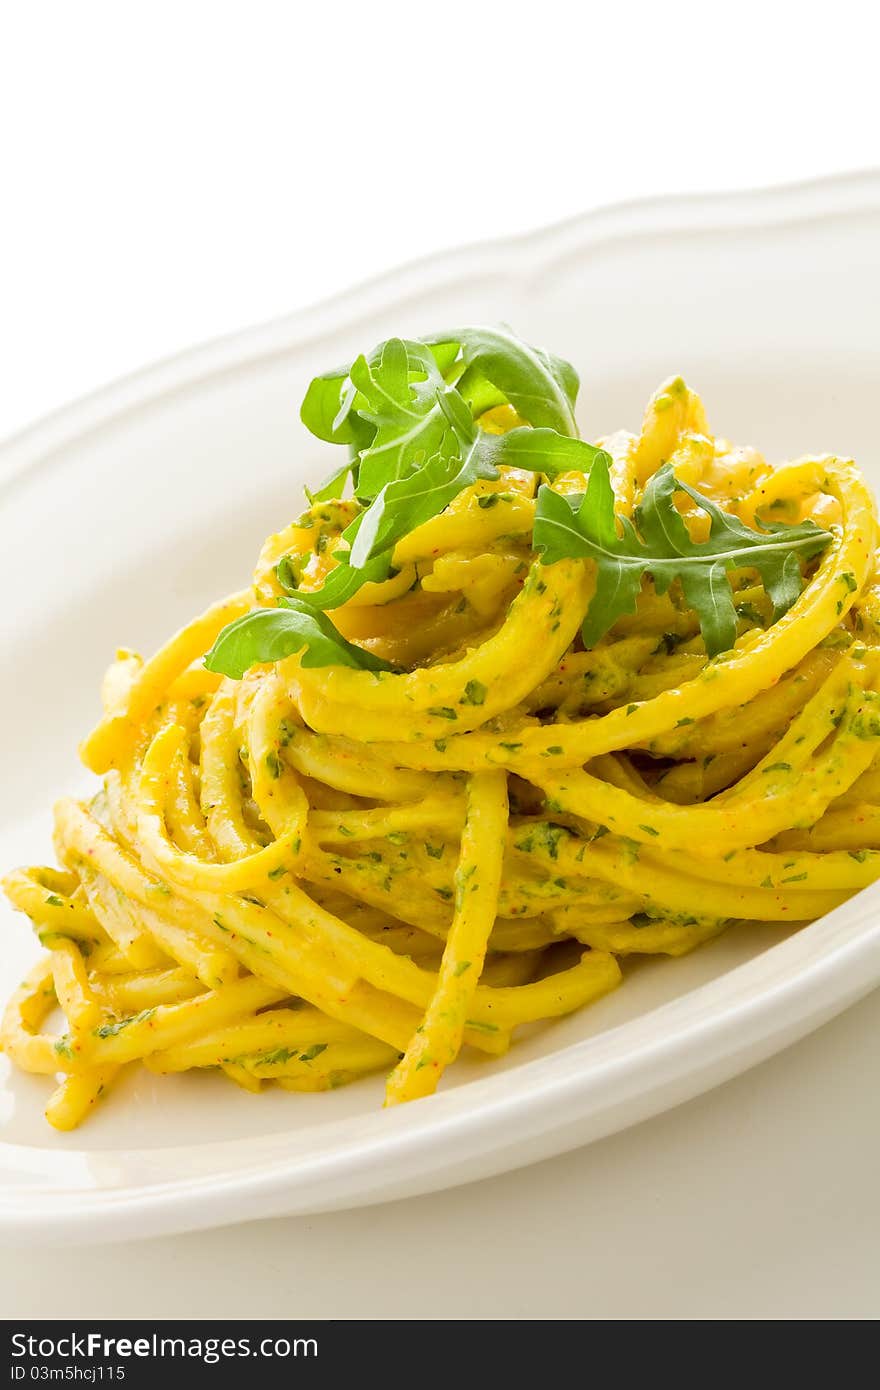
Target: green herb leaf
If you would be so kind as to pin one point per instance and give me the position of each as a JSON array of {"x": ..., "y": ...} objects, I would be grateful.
[
  {"x": 399, "y": 393},
  {"x": 334, "y": 486},
  {"x": 403, "y": 505},
  {"x": 276, "y": 1057},
  {"x": 475, "y": 693},
  {"x": 659, "y": 544},
  {"x": 341, "y": 584},
  {"x": 328, "y": 416},
  {"x": 409, "y": 412},
  {"x": 541, "y": 388},
  {"x": 409, "y": 401},
  {"x": 270, "y": 634},
  {"x": 538, "y": 450},
  {"x": 110, "y": 1030}
]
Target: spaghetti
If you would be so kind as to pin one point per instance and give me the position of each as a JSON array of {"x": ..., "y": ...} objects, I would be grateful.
[{"x": 316, "y": 872}]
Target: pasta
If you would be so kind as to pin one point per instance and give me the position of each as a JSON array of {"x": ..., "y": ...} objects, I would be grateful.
[{"x": 316, "y": 871}]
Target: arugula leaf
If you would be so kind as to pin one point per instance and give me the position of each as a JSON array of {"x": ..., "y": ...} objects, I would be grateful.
[
  {"x": 542, "y": 389},
  {"x": 409, "y": 401},
  {"x": 322, "y": 411},
  {"x": 407, "y": 503},
  {"x": 403, "y": 505},
  {"x": 341, "y": 584},
  {"x": 409, "y": 412},
  {"x": 417, "y": 404},
  {"x": 398, "y": 393},
  {"x": 333, "y": 487},
  {"x": 270, "y": 634},
  {"x": 659, "y": 544},
  {"x": 539, "y": 450},
  {"x": 373, "y": 406}
]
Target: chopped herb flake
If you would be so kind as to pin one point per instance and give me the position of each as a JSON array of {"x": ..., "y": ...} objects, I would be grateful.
[
  {"x": 474, "y": 693},
  {"x": 110, "y": 1030}
]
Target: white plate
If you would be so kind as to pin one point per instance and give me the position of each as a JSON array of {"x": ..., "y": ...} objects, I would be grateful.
[{"x": 126, "y": 513}]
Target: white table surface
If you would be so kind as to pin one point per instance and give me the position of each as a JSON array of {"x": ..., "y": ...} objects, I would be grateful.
[
  {"x": 758, "y": 1200},
  {"x": 136, "y": 226}
]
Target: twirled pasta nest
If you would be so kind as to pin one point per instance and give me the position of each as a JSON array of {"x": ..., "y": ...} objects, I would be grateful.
[{"x": 314, "y": 873}]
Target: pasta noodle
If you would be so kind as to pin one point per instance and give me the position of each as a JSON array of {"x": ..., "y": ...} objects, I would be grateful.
[{"x": 316, "y": 872}]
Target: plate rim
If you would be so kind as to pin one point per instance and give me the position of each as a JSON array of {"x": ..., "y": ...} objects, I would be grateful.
[
  {"x": 776, "y": 204},
  {"x": 842, "y": 966}
]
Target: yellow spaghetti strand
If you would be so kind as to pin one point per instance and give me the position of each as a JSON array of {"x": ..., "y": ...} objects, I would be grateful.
[{"x": 477, "y": 882}]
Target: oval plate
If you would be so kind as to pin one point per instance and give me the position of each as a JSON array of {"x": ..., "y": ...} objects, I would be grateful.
[{"x": 124, "y": 514}]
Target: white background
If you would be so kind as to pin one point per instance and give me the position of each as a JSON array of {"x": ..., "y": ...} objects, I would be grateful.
[
  {"x": 172, "y": 171},
  {"x": 175, "y": 171}
]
